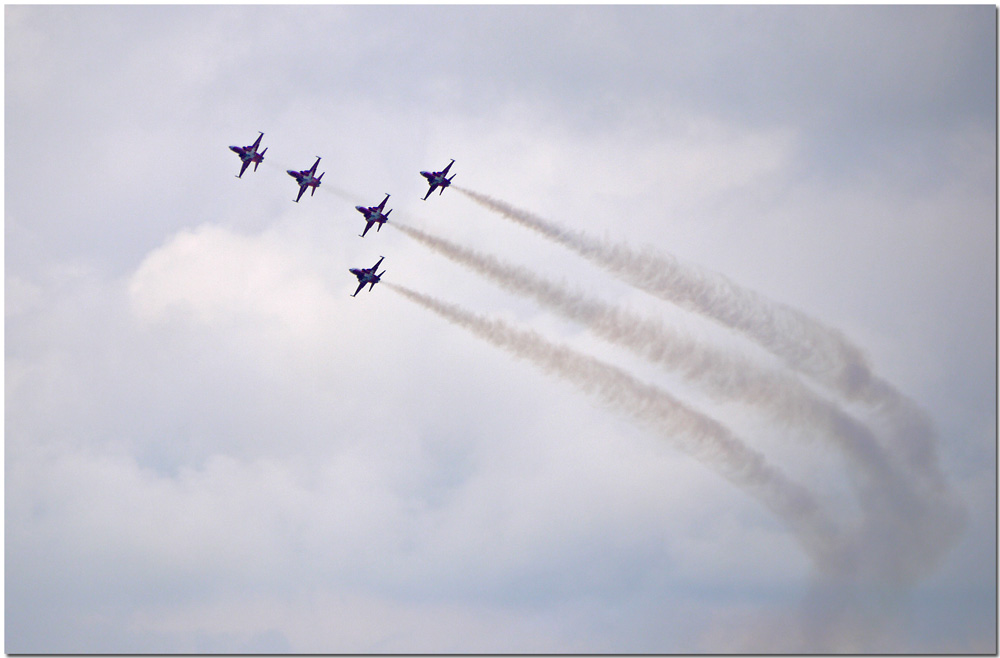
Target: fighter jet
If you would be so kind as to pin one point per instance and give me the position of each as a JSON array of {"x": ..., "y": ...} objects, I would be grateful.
[
  {"x": 437, "y": 179},
  {"x": 307, "y": 178},
  {"x": 367, "y": 275},
  {"x": 374, "y": 215},
  {"x": 249, "y": 154}
]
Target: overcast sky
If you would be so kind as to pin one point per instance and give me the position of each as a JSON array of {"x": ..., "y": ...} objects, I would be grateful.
[{"x": 211, "y": 447}]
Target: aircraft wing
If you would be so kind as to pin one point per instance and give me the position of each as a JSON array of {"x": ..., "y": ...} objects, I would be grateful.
[
  {"x": 246, "y": 163},
  {"x": 433, "y": 187},
  {"x": 360, "y": 286},
  {"x": 375, "y": 266},
  {"x": 302, "y": 190},
  {"x": 257, "y": 143},
  {"x": 368, "y": 226},
  {"x": 445, "y": 172},
  {"x": 312, "y": 172},
  {"x": 382, "y": 205}
]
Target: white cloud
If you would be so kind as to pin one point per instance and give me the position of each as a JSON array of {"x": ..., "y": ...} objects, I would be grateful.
[
  {"x": 217, "y": 277},
  {"x": 212, "y": 447}
]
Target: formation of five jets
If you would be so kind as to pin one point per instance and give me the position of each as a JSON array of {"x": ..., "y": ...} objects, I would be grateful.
[{"x": 307, "y": 178}]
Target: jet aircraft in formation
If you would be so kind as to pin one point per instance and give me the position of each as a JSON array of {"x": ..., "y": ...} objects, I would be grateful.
[
  {"x": 307, "y": 178},
  {"x": 374, "y": 215},
  {"x": 249, "y": 154},
  {"x": 437, "y": 179},
  {"x": 367, "y": 275}
]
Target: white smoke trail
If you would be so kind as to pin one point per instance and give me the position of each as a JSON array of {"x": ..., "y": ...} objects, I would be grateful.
[
  {"x": 698, "y": 435},
  {"x": 910, "y": 522},
  {"x": 337, "y": 191},
  {"x": 805, "y": 344},
  {"x": 863, "y": 574},
  {"x": 726, "y": 376},
  {"x": 886, "y": 497}
]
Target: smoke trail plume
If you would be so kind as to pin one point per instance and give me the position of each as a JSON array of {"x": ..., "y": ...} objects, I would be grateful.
[
  {"x": 804, "y": 343},
  {"x": 885, "y": 496},
  {"x": 333, "y": 189},
  {"x": 900, "y": 538},
  {"x": 725, "y": 375},
  {"x": 863, "y": 573},
  {"x": 696, "y": 434}
]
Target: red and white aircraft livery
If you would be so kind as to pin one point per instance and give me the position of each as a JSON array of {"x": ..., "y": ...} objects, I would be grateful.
[
  {"x": 437, "y": 179},
  {"x": 307, "y": 178},
  {"x": 374, "y": 215},
  {"x": 249, "y": 154},
  {"x": 367, "y": 275}
]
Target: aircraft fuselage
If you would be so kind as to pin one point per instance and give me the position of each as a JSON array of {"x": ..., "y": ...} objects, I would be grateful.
[
  {"x": 371, "y": 214},
  {"x": 303, "y": 177},
  {"x": 367, "y": 275},
  {"x": 437, "y": 179},
  {"x": 249, "y": 155},
  {"x": 307, "y": 178}
]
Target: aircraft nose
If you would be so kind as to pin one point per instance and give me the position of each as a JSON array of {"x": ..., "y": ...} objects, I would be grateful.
[
  {"x": 234, "y": 149},
  {"x": 290, "y": 172}
]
